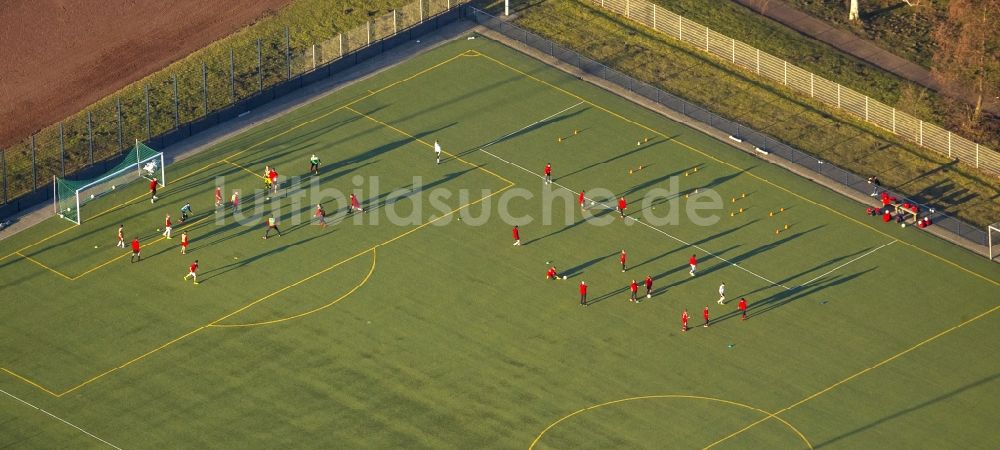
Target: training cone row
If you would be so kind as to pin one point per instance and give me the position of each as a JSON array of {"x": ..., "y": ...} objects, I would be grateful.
[
  {"x": 779, "y": 230},
  {"x": 771, "y": 213},
  {"x": 641, "y": 141},
  {"x": 695, "y": 170},
  {"x": 742, "y": 195},
  {"x": 560, "y": 139},
  {"x": 631, "y": 171}
]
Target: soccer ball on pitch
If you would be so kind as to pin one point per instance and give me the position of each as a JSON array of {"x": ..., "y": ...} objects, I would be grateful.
[
  {"x": 902, "y": 225},
  {"x": 564, "y": 277}
]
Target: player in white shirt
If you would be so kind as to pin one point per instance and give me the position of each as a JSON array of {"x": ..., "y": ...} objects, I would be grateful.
[
  {"x": 722, "y": 294},
  {"x": 437, "y": 151}
]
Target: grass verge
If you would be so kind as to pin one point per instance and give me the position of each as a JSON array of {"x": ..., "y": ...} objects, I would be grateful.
[{"x": 864, "y": 149}]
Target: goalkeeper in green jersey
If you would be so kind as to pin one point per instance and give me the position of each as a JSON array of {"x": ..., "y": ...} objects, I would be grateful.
[{"x": 314, "y": 164}]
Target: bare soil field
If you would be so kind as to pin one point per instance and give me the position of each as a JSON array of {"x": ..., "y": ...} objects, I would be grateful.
[{"x": 58, "y": 56}]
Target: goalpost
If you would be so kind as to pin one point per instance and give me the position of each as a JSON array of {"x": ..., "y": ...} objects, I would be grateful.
[
  {"x": 991, "y": 241},
  {"x": 140, "y": 162}
]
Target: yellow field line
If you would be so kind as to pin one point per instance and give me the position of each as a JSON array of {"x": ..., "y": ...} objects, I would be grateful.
[
  {"x": 667, "y": 396},
  {"x": 284, "y": 319},
  {"x": 428, "y": 144},
  {"x": 862, "y": 372},
  {"x": 137, "y": 358},
  {"x": 751, "y": 174},
  {"x": 44, "y": 266},
  {"x": 244, "y": 168},
  {"x": 29, "y": 381},
  {"x": 255, "y": 145}
]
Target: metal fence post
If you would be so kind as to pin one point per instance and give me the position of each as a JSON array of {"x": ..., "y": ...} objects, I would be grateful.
[
  {"x": 628, "y": 12},
  {"x": 654, "y": 15},
  {"x": 204, "y": 85},
  {"x": 838, "y": 95},
  {"x": 260, "y": 72},
  {"x": 232, "y": 74},
  {"x": 368, "y": 31},
  {"x": 121, "y": 134},
  {"x": 340, "y": 37},
  {"x": 812, "y": 85},
  {"x": 395, "y": 25},
  {"x": 288, "y": 53},
  {"x": 34, "y": 166},
  {"x": 758, "y": 61},
  {"x": 894, "y": 121},
  {"x": 921, "y": 132},
  {"x": 786, "y": 72},
  {"x": 147, "y": 112},
  {"x": 706, "y": 40},
  {"x": 62, "y": 151},
  {"x": 866, "y": 108},
  {"x": 177, "y": 105},
  {"x": 977, "y": 155},
  {"x": 680, "y": 26},
  {"x": 421, "y": 12},
  {"x": 949, "y": 144},
  {"x": 314, "y": 56},
  {"x": 90, "y": 137},
  {"x": 733, "y": 50}
]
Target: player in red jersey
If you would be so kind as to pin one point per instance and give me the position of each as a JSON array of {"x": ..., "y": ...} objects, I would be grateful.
[
  {"x": 193, "y": 272},
  {"x": 218, "y": 197},
  {"x": 649, "y": 286},
  {"x": 167, "y": 227},
  {"x": 583, "y": 293},
  {"x": 684, "y": 320},
  {"x": 548, "y": 173},
  {"x": 705, "y": 315},
  {"x": 136, "y": 256},
  {"x": 743, "y": 307},
  {"x": 633, "y": 288},
  {"x": 621, "y": 206},
  {"x": 121, "y": 236},
  {"x": 272, "y": 176},
  {"x": 152, "y": 190},
  {"x": 623, "y": 257},
  {"x": 184, "y": 242},
  {"x": 694, "y": 264},
  {"x": 355, "y": 205},
  {"x": 582, "y": 207},
  {"x": 552, "y": 274},
  {"x": 517, "y": 235},
  {"x": 321, "y": 216}
]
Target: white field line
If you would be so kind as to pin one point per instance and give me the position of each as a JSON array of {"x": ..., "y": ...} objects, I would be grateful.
[
  {"x": 483, "y": 149},
  {"x": 846, "y": 263},
  {"x": 61, "y": 420}
]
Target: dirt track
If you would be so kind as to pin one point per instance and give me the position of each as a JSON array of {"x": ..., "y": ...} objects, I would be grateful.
[{"x": 58, "y": 56}]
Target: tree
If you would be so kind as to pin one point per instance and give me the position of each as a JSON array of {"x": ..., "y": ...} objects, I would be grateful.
[{"x": 967, "y": 60}]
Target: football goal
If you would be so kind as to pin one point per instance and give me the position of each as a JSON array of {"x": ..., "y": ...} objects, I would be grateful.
[{"x": 140, "y": 162}]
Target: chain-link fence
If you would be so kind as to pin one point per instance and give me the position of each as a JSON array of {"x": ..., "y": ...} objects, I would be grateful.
[
  {"x": 195, "y": 94},
  {"x": 806, "y": 83},
  {"x": 972, "y": 234}
]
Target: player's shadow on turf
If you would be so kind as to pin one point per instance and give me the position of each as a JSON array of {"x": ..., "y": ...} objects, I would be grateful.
[
  {"x": 620, "y": 156},
  {"x": 219, "y": 271},
  {"x": 816, "y": 268},
  {"x": 622, "y": 291},
  {"x": 699, "y": 243},
  {"x": 593, "y": 216},
  {"x": 786, "y": 296},
  {"x": 684, "y": 267},
  {"x": 756, "y": 251},
  {"x": 579, "y": 268},
  {"x": 655, "y": 181},
  {"x": 906, "y": 411},
  {"x": 533, "y": 127}
]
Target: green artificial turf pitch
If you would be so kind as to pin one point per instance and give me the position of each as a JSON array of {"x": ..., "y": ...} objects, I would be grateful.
[{"x": 439, "y": 333}]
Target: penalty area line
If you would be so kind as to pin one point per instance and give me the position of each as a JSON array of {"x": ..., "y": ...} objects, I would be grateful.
[{"x": 61, "y": 420}]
